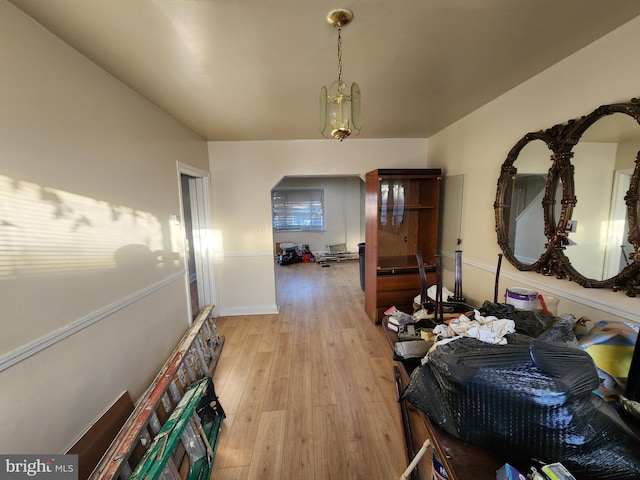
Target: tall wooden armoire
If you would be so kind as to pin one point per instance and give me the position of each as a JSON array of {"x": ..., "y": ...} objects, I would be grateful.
[{"x": 401, "y": 217}]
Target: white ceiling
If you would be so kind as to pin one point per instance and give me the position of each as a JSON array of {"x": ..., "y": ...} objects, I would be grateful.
[{"x": 252, "y": 69}]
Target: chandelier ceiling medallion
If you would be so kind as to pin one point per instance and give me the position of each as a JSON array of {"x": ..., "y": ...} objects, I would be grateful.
[{"x": 339, "y": 104}]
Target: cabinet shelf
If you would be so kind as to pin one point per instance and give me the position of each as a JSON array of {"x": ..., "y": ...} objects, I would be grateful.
[
  {"x": 404, "y": 262},
  {"x": 409, "y": 207}
]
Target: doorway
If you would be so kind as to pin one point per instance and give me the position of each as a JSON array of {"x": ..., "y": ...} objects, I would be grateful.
[
  {"x": 618, "y": 247},
  {"x": 342, "y": 210},
  {"x": 192, "y": 277},
  {"x": 196, "y": 223}
]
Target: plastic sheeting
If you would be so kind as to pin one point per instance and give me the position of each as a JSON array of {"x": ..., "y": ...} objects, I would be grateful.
[{"x": 529, "y": 400}]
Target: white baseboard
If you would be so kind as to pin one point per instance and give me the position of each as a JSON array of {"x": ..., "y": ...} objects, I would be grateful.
[{"x": 249, "y": 310}]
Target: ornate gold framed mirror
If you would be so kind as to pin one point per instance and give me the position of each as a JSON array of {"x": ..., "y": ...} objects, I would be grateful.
[
  {"x": 522, "y": 190},
  {"x": 568, "y": 200}
]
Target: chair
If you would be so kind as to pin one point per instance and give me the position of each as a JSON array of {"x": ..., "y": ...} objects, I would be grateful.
[{"x": 425, "y": 302}]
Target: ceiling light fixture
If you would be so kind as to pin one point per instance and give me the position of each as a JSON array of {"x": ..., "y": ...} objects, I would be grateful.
[{"x": 339, "y": 105}]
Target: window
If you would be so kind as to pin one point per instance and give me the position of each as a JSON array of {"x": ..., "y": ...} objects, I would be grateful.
[{"x": 298, "y": 210}]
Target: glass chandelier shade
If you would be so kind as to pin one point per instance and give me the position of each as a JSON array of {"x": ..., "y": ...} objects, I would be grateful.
[
  {"x": 340, "y": 110},
  {"x": 339, "y": 104}
]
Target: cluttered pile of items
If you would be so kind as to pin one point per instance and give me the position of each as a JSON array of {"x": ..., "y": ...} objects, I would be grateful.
[
  {"x": 337, "y": 253},
  {"x": 295, "y": 253},
  {"x": 300, "y": 252},
  {"x": 521, "y": 383}
]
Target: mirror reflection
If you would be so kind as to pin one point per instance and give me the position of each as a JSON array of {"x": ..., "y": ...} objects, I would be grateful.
[
  {"x": 524, "y": 194},
  {"x": 450, "y": 231},
  {"x": 598, "y": 246}
]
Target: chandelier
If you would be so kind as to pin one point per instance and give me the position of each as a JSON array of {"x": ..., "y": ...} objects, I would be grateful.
[{"x": 339, "y": 105}]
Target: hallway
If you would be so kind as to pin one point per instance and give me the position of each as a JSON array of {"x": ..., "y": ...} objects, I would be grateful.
[{"x": 310, "y": 393}]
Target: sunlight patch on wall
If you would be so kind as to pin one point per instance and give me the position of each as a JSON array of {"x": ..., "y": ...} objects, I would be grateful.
[
  {"x": 216, "y": 245},
  {"x": 45, "y": 230}
]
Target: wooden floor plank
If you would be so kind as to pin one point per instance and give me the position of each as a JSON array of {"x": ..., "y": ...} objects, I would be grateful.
[
  {"x": 385, "y": 379},
  {"x": 360, "y": 447},
  {"x": 242, "y": 435},
  {"x": 329, "y": 458},
  {"x": 232, "y": 393},
  {"x": 330, "y": 329},
  {"x": 231, "y": 473},
  {"x": 222, "y": 452},
  {"x": 344, "y": 381},
  {"x": 384, "y": 430},
  {"x": 367, "y": 390},
  {"x": 277, "y": 394},
  {"x": 266, "y": 461},
  {"x": 270, "y": 333},
  {"x": 321, "y": 373},
  {"x": 222, "y": 371},
  {"x": 299, "y": 440}
]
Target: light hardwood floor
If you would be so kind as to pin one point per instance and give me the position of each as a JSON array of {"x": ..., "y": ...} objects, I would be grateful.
[{"x": 309, "y": 393}]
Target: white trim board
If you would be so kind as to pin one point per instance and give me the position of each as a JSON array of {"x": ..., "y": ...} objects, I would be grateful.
[
  {"x": 25, "y": 351},
  {"x": 598, "y": 298}
]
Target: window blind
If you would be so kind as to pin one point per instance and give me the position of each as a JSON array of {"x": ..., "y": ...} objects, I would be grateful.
[{"x": 298, "y": 209}]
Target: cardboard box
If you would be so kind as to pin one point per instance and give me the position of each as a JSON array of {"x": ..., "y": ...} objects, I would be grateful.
[{"x": 507, "y": 472}]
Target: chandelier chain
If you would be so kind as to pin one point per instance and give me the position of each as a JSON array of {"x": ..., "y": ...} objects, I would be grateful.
[{"x": 339, "y": 54}]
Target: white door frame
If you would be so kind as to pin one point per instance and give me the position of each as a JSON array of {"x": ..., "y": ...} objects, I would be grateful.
[
  {"x": 617, "y": 217},
  {"x": 200, "y": 196}
]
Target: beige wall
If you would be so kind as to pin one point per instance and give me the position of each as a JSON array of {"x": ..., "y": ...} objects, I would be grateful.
[
  {"x": 602, "y": 73},
  {"x": 87, "y": 166},
  {"x": 242, "y": 176}
]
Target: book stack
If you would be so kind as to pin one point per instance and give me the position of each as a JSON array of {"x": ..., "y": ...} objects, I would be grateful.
[{"x": 397, "y": 320}]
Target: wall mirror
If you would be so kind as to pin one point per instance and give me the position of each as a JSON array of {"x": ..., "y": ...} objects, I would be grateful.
[
  {"x": 522, "y": 188},
  {"x": 568, "y": 199}
]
